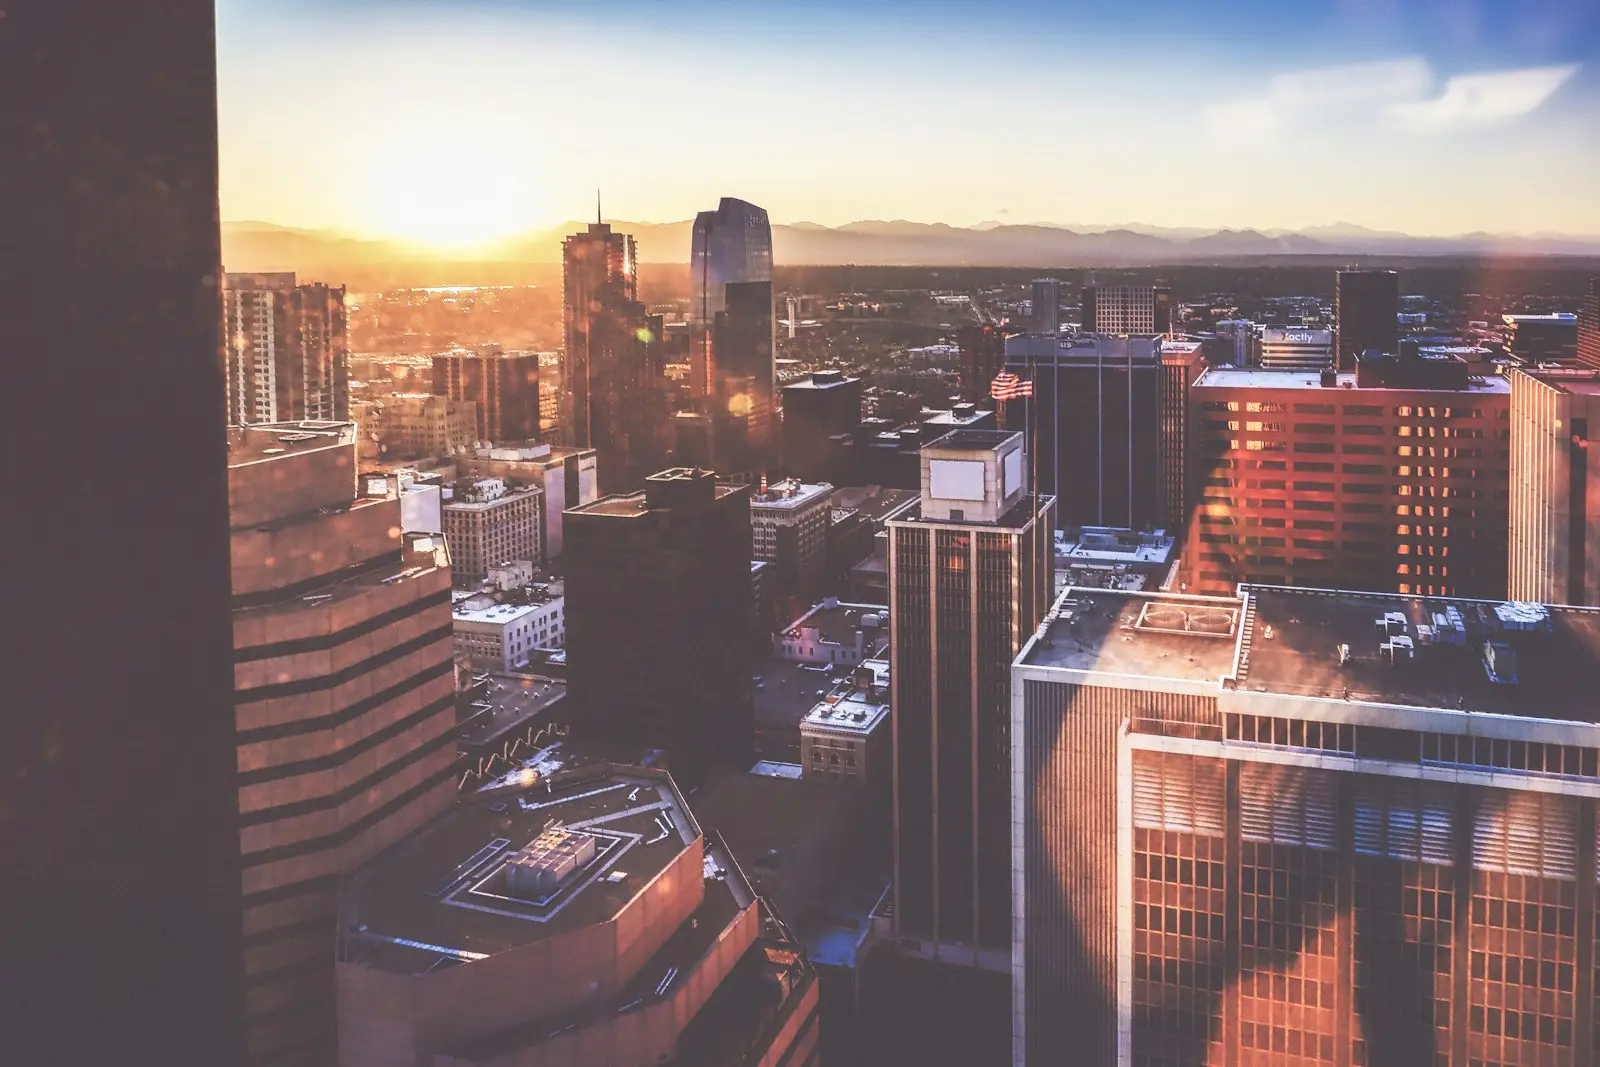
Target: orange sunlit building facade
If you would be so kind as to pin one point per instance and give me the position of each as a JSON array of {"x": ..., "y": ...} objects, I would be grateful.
[{"x": 1393, "y": 479}]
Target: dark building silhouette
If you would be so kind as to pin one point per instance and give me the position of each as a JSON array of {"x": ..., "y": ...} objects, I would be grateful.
[
  {"x": 1099, "y": 432},
  {"x": 970, "y": 572},
  {"x": 1182, "y": 363},
  {"x": 983, "y": 355},
  {"x": 659, "y": 615},
  {"x": 814, "y": 410},
  {"x": 503, "y": 385},
  {"x": 1365, "y": 305},
  {"x": 731, "y": 245},
  {"x": 612, "y": 377},
  {"x": 741, "y": 342},
  {"x": 1588, "y": 351},
  {"x": 118, "y": 804},
  {"x": 1269, "y": 828},
  {"x": 1542, "y": 338}
]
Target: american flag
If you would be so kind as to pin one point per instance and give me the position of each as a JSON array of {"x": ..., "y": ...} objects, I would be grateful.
[{"x": 1007, "y": 386}]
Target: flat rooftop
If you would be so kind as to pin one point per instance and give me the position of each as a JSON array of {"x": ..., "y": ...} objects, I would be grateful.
[
  {"x": 251, "y": 444},
  {"x": 873, "y": 501},
  {"x": 789, "y": 494},
  {"x": 1267, "y": 378},
  {"x": 1138, "y": 635},
  {"x": 394, "y": 572},
  {"x": 441, "y": 896},
  {"x": 972, "y": 440},
  {"x": 499, "y": 614},
  {"x": 635, "y": 503},
  {"x": 838, "y": 623},
  {"x": 1557, "y": 670},
  {"x": 510, "y": 702},
  {"x": 853, "y": 710}
]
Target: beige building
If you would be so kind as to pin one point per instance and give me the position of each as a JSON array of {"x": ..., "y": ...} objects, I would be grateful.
[
  {"x": 488, "y": 522},
  {"x": 789, "y": 529},
  {"x": 1554, "y": 542},
  {"x": 421, "y": 424},
  {"x": 345, "y": 708},
  {"x": 846, "y": 736}
]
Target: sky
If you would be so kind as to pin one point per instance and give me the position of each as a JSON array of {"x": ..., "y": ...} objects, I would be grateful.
[{"x": 461, "y": 122}]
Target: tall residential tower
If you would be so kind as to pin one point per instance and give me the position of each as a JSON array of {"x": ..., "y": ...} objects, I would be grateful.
[{"x": 286, "y": 356}]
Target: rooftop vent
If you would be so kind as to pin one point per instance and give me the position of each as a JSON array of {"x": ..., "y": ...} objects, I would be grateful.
[{"x": 555, "y": 855}]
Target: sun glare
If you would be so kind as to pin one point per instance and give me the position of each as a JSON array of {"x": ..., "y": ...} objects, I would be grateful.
[{"x": 452, "y": 199}]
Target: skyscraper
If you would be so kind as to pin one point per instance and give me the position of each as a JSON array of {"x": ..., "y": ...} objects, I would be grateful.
[
  {"x": 1138, "y": 310},
  {"x": 814, "y": 410},
  {"x": 287, "y": 357},
  {"x": 1182, "y": 363},
  {"x": 1310, "y": 826},
  {"x": 345, "y": 707},
  {"x": 732, "y": 343},
  {"x": 659, "y": 615},
  {"x": 1365, "y": 305},
  {"x": 1589, "y": 326},
  {"x": 970, "y": 572},
  {"x": 983, "y": 355},
  {"x": 1554, "y": 551},
  {"x": 613, "y": 387},
  {"x": 503, "y": 385},
  {"x": 118, "y": 805},
  {"x": 1045, "y": 320}
]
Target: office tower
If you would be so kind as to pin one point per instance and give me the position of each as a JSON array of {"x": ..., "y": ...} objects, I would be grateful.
[
  {"x": 1393, "y": 479},
  {"x": 614, "y": 400},
  {"x": 789, "y": 529},
  {"x": 983, "y": 355},
  {"x": 1292, "y": 348},
  {"x": 1182, "y": 363},
  {"x": 1045, "y": 320},
  {"x": 1305, "y": 826},
  {"x": 1554, "y": 553},
  {"x": 658, "y": 616},
  {"x": 1534, "y": 339},
  {"x": 595, "y": 922},
  {"x": 1365, "y": 305},
  {"x": 286, "y": 351},
  {"x": 743, "y": 353},
  {"x": 814, "y": 410},
  {"x": 487, "y": 522},
  {"x": 1238, "y": 333},
  {"x": 568, "y": 476},
  {"x": 731, "y": 245},
  {"x": 970, "y": 573},
  {"x": 1097, "y": 405},
  {"x": 1139, "y": 310},
  {"x": 503, "y": 385},
  {"x": 1588, "y": 349},
  {"x": 345, "y": 707},
  {"x": 423, "y": 424},
  {"x": 120, "y": 827}
]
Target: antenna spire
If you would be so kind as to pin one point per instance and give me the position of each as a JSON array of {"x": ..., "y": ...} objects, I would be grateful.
[{"x": 597, "y": 217}]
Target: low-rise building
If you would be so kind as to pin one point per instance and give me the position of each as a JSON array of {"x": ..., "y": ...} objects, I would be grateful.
[
  {"x": 498, "y": 635},
  {"x": 834, "y": 633},
  {"x": 845, "y": 736}
]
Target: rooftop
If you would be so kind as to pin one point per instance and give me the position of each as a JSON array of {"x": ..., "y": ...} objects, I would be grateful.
[
  {"x": 972, "y": 440},
  {"x": 441, "y": 895},
  {"x": 852, "y": 708},
  {"x": 873, "y": 501},
  {"x": 508, "y": 703},
  {"x": 251, "y": 444},
  {"x": 1265, "y": 378},
  {"x": 337, "y": 589},
  {"x": 483, "y": 494},
  {"x": 1138, "y": 635},
  {"x": 785, "y": 692},
  {"x": 1555, "y": 318},
  {"x": 790, "y": 493},
  {"x": 838, "y": 623},
  {"x": 1109, "y": 546}
]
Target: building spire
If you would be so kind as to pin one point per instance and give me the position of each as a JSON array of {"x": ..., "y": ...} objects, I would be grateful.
[{"x": 597, "y": 217}]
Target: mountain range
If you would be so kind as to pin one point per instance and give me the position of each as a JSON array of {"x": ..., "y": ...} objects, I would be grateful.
[{"x": 258, "y": 246}]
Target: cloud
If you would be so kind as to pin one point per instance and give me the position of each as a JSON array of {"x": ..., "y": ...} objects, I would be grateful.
[
  {"x": 1479, "y": 99},
  {"x": 1399, "y": 90}
]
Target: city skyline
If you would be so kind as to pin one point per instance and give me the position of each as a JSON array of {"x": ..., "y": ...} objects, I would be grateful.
[{"x": 460, "y": 126}]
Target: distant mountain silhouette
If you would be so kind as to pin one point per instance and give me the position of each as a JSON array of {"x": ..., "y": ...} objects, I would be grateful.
[{"x": 255, "y": 246}]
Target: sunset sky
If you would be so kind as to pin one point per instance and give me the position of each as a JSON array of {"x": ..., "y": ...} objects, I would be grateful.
[{"x": 459, "y": 122}]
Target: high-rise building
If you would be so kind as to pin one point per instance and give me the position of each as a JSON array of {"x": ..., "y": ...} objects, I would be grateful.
[
  {"x": 983, "y": 355},
  {"x": 503, "y": 385},
  {"x": 1393, "y": 479},
  {"x": 789, "y": 529},
  {"x": 568, "y": 476},
  {"x": 1182, "y": 363},
  {"x": 1294, "y": 348},
  {"x": 741, "y": 345},
  {"x": 1588, "y": 350},
  {"x": 586, "y": 918},
  {"x": 970, "y": 573},
  {"x": 1365, "y": 305},
  {"x": 345, "y": 707},
  {"x": 287, "y": 356},
  {"x": 1554, "y": 510},
  {"x": 1240, "y": 334},
  {"x": 613, "y": 385},
  {"x": 814, "y": 410},
  {"x": 1304, "y": 826},
  {"x": 659, "y": 615},
  {"x": 1045, "y": 307},
  {"x": 1096, "y": 417},
  {"x": 487, "y": 522},
  {"x": 119, "y": 833},
  {"x": 1139, "y": 310},
  {"x": 731, "y": 245},
  {"x": 1534, "y": 339}
]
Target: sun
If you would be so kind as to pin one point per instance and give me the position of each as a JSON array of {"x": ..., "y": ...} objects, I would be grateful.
[{"x": 452, "y": 197}]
